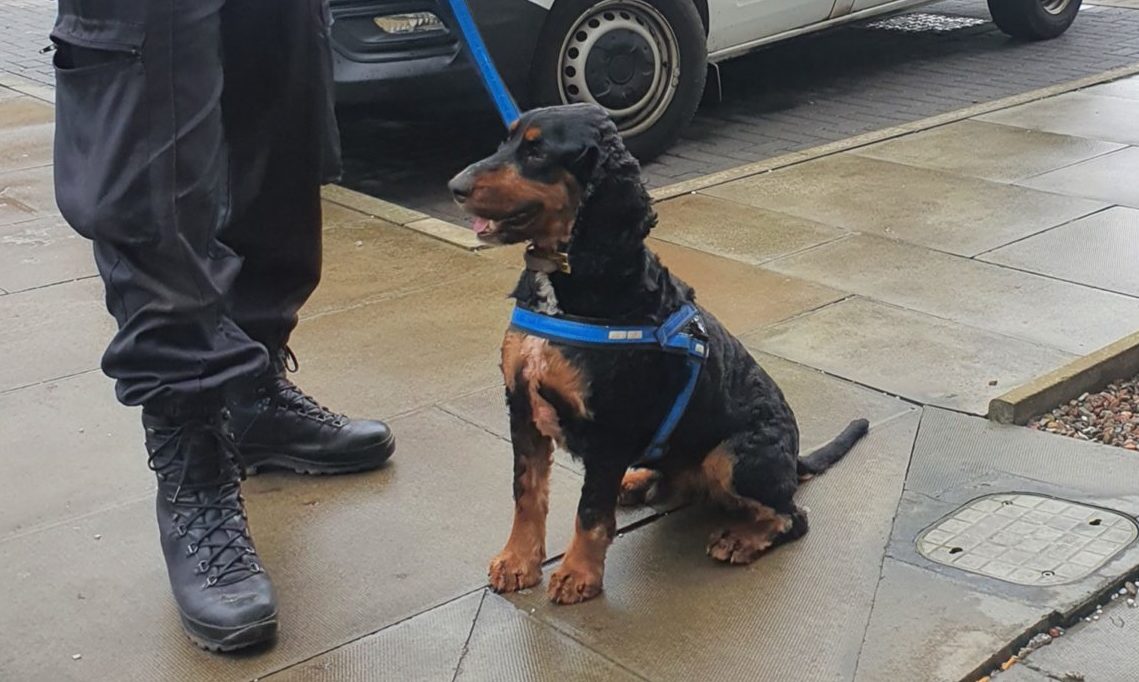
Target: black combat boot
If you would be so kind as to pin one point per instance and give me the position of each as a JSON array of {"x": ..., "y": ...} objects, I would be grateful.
[
  {"x": 277, "y": 425},
  {"x": 224, "y": 595}
]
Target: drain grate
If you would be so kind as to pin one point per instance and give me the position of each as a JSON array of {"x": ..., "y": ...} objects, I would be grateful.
[
  {"x": 1027, "y": 539},
  {"x": 923, "y": 22}
]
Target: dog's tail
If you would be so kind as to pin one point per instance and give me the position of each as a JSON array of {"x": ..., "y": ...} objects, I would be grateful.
[{"x": 825, "y": 457}]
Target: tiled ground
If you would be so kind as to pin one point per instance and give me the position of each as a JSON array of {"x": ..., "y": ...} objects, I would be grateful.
[{"x": 866, "y": 300}]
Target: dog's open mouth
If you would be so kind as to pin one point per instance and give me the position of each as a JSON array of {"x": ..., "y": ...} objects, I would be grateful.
[{"x": 486, "y": 228}]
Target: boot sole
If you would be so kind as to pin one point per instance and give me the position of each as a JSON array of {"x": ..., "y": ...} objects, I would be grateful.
[
  {"x": 369, "y": 458},
  {"x": 223, "y": 640}
]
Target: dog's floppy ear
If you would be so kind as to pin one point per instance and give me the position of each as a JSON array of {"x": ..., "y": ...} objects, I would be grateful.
[
  {"x": 594, "y": 130},
  {"x": 616, "y": 213},
  {"x": 584, "y": 165}
]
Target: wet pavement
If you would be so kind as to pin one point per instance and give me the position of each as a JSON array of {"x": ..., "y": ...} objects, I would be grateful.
[
  {"x": 902, "y": 282},
  {"x": 792, "y": 96}
]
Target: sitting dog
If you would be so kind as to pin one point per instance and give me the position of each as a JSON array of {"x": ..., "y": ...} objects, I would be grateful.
[{"x": 564, "y": 183}]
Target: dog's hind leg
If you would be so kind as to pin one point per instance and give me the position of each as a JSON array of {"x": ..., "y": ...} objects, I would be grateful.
[
  {"x": 757, "y": 491},
  {"x": 580, "y": 576},
  {"x": 519, "y": 564},
  {"x": 640, "y": 486}
]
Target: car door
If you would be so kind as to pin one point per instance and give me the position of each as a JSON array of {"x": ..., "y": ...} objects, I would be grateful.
[{"x": 738, "y": 22}]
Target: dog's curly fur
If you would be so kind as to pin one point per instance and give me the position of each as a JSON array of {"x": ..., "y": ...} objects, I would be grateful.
[{"x": 738, "y": 442}]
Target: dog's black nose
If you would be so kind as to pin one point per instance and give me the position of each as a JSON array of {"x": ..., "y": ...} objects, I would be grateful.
[{"x": 460, "y": 187}]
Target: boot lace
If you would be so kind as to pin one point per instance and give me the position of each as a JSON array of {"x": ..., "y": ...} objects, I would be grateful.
[
  {"x": 210, "y": 512},
  {"x": 290, "y": 397}
]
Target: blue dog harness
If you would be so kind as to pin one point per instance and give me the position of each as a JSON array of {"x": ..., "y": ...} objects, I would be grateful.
[{"x": 682, "y": 333}]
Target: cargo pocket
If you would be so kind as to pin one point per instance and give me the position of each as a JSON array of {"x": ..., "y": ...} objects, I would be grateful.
[{"x": 102, "y": 174}]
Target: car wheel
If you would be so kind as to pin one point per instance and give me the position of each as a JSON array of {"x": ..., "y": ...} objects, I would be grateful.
[
  {"x": 1034, "y": 19},
  {"x": 644, "y": 62}
]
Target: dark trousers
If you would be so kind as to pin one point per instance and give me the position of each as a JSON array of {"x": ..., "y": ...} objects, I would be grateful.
[{"x": 192, "y": 137}]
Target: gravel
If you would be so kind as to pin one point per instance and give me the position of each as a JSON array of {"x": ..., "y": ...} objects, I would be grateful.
[{"x": 1110, "y": 416}]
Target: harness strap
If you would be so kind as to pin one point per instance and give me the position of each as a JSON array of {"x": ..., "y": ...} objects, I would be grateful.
[{"x": 674, "y": 336}]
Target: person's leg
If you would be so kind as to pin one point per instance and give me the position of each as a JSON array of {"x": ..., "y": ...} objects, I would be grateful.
[
  {"x": 141, "y": 165},
  {"x": 278, "y": 114},
  {"x": 273, "y": 106}
]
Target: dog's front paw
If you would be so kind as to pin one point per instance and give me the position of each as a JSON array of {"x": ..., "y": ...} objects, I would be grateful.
[
  {"x": 570, "y": 585},
  {"x": 735, "y": 547},
  {"x": 509, "y": 572}
]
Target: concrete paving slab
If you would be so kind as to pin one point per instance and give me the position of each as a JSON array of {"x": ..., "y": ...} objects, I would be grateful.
[
  {"x": 69, "y": 449},
  {"x": 1074, "y": 318},
  {"x": 959, "y": 459},
  {"x": 1082, "y": 114},
  {"x": 670, "y": 613},
  {"x": 478, "y": 637},
  {"x": 917, "y": 356},
  {"x": 1125, "y": 87},
  {"x": 39, "y": 332},
  {"x": 510, "y": 256},
  {"x": 349, "y": 556},
  {"x": 1022, "y": 673},
  {"x": 955, "y": 450},
  {"x": 736, "y": 231},
  {"x": 742, "y": 297},
  {"x": 334, "y": 215},
  {"x": 402, "y": 353},
  {"x": 940, "y": 210},
  {"x": 507, "y": 644},
  {"x": 1110, "y": 178},
  {"x": 25, "y": 147},
  {"x": 368, "y": 260},
  {"x": 824, "y": 405},
  {"x": 1099, "y": 251},
  {"x": 19, "y": 111},
  {"x": 427, "y": 647},
  {"x": 26, "y": 194},
  {"x": 1100, "y": 651},
  {"x": 924, "y": 627},
  {"x": 993, "y": 152},
  {"x": 43, "y": 251}
]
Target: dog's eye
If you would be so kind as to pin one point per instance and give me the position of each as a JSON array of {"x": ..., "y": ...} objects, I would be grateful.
[{"x": 533, "y": 152}]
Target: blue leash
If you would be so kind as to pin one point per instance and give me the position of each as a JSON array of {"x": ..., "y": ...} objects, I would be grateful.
[
  {"x": 674, "y": 336},
  {"x": 476, "y": 48}
]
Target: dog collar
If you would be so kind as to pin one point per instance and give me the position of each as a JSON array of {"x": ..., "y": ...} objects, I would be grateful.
[{"x": 683, "y": 333}]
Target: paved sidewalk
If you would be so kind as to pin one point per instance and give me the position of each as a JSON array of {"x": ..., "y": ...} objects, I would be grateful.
[
  {"x": 907, "y": 282},
  {"x": 1099, "y": 650}
]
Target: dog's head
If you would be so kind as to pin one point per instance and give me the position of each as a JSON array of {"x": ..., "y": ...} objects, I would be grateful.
[{"x": 534, "y": 187}]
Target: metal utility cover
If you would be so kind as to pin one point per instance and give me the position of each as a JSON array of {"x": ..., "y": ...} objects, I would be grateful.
[
  {"x": 921, "y": 22},
  {"x": 1027, "y": 539}
]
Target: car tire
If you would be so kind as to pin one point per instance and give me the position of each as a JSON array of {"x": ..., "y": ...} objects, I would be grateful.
[
  {"x": 644, "y": 61},
  {"x": 1034, "y": 19}
]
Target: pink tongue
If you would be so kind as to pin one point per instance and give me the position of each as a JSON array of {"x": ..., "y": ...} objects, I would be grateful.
[{"x": 480, "y": 225}]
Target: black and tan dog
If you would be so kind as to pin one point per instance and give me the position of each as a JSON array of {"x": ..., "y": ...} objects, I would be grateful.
[{"x": 564, "y": 182}]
